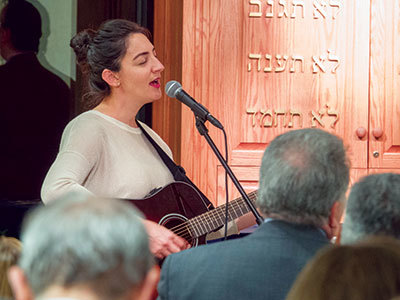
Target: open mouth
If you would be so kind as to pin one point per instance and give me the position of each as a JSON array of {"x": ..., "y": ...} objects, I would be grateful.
[{"x": 156, "y": 83}]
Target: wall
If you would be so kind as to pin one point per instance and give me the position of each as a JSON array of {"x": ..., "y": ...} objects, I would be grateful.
[{"x": 58, "y": 26}]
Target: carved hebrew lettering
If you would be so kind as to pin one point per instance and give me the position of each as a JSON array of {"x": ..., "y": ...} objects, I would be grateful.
[
  {"x": 296, "y": 3},
  {"x": 270, "y": 117},
  {"x": 281, "y": 60},
  {"x": 337, "y": 4},
  {"x": 294, "y": 59},
  {"x": 256, "y": 14},
  {"x": 319, "y": 6},
  {"x": 334, "y": 113},
  {"x": 268, "y": 69},
  {"x": 255, "y": 56},
  {"x": 332, "y": 57},
  {"x": 295, "y": 113},
  {"x": 318, "y": 118},
  {"x": 270, "y": 13},
  {"x": 254, "y": 113},
  {"x": 284, "y": 12},
  {"x": 277, "y": 113},
  {"x": 264, "y": 115},
  {"x": 319, "y": 62}
]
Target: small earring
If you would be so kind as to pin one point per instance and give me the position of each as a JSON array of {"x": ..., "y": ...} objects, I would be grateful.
[{"x": 119, "y": 83}]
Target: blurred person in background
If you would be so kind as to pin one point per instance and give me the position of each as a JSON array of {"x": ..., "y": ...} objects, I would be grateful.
[
  {"x": 84, "y": 248},
  {"x": 373, "y": 208},
  {"x": 366, "y": 270},
  {"x": 10, "y": 250}
]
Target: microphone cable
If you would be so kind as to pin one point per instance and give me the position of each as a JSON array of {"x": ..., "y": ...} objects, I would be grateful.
[{"x": 226, "y": 186}]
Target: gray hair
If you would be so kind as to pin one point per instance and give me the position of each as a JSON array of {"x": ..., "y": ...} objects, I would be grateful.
[
  {"x": 303, "y": 173},
  {"x": 373, "y": 207},
  {"x": 100, "y": 243}
]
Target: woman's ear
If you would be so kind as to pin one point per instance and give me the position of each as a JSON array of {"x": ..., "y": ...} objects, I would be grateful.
[{"x": 111, "y": 78}]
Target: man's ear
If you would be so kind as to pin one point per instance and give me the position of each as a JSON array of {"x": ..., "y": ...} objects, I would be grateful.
[
  {"x": 19, "y": 284},
  {"x": 335, "y": 217},
  {"x": 148, "y": 288},
  {"x": 111, "y": 78}
]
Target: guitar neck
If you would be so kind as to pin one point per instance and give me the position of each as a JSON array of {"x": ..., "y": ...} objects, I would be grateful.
[{"x": 209, "y": 221}]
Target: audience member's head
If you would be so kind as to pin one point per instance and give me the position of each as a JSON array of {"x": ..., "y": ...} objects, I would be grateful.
[
  {"x": 373, "y": 207},
  {"x": 303, "y": 179},
  {"x": 20, "y": 27},
  {"x": 90, "y": 246},
  {"x": 10, "y": 249},
  {"x": 368, "y": 270}
]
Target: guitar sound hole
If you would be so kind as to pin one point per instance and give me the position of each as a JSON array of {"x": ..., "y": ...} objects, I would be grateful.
[{"x": 175, "y": 222}]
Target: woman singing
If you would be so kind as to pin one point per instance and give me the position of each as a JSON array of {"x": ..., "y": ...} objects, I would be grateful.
[{"x": 103, "y": 152}]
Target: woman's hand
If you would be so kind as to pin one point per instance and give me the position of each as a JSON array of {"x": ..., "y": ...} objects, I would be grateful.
[{"x": 162, "y": 241}]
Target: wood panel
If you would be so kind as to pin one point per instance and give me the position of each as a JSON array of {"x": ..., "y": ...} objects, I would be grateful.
[
  {"x": 219, "y": 40},
  {"x": 212, "y": 61},
  {"x": 168, "y": 43},
  {"x": 247, "y": 176},
  {"x": 337, "y": 32},
  {"x": 385, "y": 85}
]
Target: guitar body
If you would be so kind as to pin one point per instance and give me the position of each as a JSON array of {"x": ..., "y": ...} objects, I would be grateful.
[
  {"x": 180, "y": 208},
  {"x": 172, "y": 206}
]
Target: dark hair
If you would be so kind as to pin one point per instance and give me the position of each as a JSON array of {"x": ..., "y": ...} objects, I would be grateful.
[
  {"x": 367, "y": 270},
  {"x": 103, "y": 49},
  {"x": 25, "y": 24}
]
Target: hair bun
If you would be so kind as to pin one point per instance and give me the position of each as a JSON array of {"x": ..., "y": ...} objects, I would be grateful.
[{"x": 81, "y": 43}]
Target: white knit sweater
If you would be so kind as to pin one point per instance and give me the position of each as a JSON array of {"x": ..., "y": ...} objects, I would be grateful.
[{"x": 103, "y": 156}]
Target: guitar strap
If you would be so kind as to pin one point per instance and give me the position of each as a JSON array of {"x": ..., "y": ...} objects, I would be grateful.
[{"x": 178, "y": 172}]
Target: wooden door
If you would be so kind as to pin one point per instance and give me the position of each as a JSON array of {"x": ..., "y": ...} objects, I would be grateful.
[
  {"x": 384, "y": 133},
  {"x": 265, "y": 67}
]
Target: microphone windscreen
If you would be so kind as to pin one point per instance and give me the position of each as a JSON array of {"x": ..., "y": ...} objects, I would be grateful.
[{"x": 172, "y": 88}]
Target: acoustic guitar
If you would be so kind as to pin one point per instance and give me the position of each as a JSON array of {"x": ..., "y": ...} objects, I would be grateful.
[{"x": 180, "y": 208}]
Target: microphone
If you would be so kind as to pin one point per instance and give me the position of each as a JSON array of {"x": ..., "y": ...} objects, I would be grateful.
[{"x": 174, "y": 90}]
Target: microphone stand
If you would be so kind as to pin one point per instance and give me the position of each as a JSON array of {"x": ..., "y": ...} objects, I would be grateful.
[{"x": 200, "y": 124}]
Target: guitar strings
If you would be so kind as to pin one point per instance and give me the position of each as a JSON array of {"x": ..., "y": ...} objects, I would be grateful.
[
  {"x": 233, "y": 205},
  {"x": 198, "y": 221},
  {"x": 201, "y": 226},
  {"x": 198, "y": 226}
]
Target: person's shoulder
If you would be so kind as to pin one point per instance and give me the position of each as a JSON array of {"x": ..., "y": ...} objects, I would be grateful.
[
  {"x": 87, "y": 119},
  {"x": 148, "y": 129},
  {"x": 157, "y": 138},
  {"x": 87, "y": 122},
  {"x": 54, "y": 79},
  {"x": 200, "y": 254},
  {"x": 189, "y": 258},
  {"x": 85, "y": 128}
]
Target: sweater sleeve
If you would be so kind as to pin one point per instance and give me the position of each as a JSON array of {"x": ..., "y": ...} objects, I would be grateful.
[{"x": 79, "y": 152}]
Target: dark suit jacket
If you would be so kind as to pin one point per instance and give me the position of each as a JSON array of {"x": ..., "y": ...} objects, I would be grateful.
[
  {"x": 35, "y": 108},
  {"x": 262, "y": 265}
]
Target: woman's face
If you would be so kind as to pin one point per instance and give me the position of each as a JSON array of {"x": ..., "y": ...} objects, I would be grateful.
[{"x": 140, "y": 72}]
